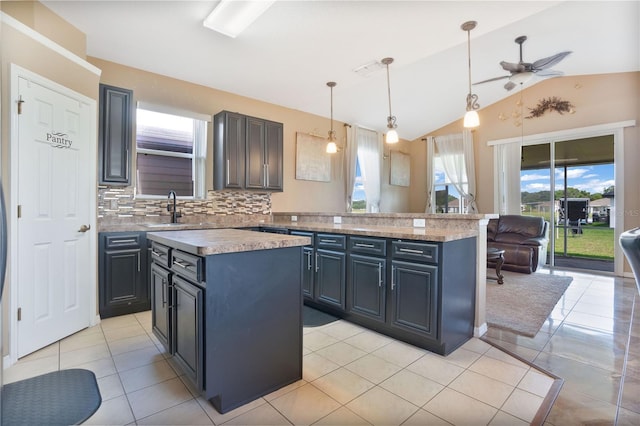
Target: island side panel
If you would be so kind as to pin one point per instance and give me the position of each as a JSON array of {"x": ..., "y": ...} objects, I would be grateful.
[{"x": 253, "y": 324}]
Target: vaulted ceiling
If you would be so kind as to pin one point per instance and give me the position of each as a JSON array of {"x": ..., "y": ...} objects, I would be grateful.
[{"x": 289, "y": 53}]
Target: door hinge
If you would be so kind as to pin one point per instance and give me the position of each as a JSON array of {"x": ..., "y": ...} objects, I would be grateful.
[
  {"x": 19, "y": 211},
  {"x": 20, "y": 102},
  {"x": 19, "y": 314}
]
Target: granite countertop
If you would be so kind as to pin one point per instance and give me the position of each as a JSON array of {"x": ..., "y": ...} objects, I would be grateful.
[
  {"x": 409, "y": 233},
  {"x": 205, "y": 242}
]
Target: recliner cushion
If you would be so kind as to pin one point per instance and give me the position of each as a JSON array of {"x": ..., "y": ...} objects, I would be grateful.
[{"x": 527, "y": 226}]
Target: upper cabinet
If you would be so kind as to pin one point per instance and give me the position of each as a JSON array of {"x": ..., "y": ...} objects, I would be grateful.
[
  {"x": 114, "y": 149},
  {"x": 247, "y": 153}
]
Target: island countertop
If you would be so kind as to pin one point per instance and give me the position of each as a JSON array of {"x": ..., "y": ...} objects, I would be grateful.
[{"x": 203, "y": 242}]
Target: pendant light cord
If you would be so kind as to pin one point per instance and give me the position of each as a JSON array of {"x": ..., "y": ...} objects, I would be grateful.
[{"x": 389, "y": 91}]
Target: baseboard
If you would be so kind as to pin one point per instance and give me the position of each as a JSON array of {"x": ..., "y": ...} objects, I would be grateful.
[
  {"x": 6, "y": 362},
  {"x": 480, "y": 331}
]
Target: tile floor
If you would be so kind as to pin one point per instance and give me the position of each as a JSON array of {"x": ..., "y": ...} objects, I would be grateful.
[{"x": 353, "y": 376}]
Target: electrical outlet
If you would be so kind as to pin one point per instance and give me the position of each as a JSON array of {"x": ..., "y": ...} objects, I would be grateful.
[
  {"x": 294, "y": 218},
  {"x": 337, "y": 219},
  {"x": 419, "y": 223}
]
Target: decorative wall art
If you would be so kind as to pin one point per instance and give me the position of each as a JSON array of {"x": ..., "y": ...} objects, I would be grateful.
[
  {"x": 400, "y": 169},
  {"x": 312, "y": 160},
  {"x": 552, "y": 103}
]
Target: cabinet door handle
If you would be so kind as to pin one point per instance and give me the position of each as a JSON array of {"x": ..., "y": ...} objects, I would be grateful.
[
  {"x": 317, "y": 264},
  {"x": 365, "y": 245},
  {"x": 327, "y": 241},
  {"x": 182, "y": 265},
  {"x": 138, "y": 262},
  {"x": 227, "y": 171},
  {"x": 379, "y": 274},
  {"x": 155, "y": 253},
  {"x": 406, "y": 250},
  {"x": 308, "y": 261},
  {"x": 266, "y": 175},
  {"x": 164, "y": 289},
  {"x": 393, "y": 277}
]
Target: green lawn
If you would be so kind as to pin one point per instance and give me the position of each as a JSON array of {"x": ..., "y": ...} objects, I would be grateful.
[{"x": 596, "y": 242}]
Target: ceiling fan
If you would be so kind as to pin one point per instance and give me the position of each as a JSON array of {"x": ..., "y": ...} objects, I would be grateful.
[{"x": 521, "y": 72}]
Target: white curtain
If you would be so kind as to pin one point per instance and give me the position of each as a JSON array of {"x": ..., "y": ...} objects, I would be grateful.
[
  {"x": 199, "y": 158},
  {"x": 370, "y": 158},
  {"x": 456, "y": 153},
  {"x": 350, "y": 155},
  {"x": 507, "y": 168},
  {"x": 430, "y": 206}
]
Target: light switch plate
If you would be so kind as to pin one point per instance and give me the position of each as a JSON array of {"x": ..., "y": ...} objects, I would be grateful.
[
  {"x": 337, "y": 219},
  {"x": 419, "y": 223},
  {"x": 294, "y": 218}
]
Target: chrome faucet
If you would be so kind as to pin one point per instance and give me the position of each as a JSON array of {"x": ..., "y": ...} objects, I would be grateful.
[{"x": 174, "y": 212}]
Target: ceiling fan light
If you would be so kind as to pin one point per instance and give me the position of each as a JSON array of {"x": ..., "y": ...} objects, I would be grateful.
[
  {"x": 521, "y": 77},
  {"x": 471, "y": 119}
]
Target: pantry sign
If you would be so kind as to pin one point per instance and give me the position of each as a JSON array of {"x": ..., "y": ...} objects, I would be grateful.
[{"x": 59, "y": 140}]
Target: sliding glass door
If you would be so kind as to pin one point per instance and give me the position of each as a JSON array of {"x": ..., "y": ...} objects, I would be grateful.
[{"x": 576, "y": 199}]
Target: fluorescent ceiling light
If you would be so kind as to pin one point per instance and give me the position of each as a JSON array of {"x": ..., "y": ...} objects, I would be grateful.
[{"x": 231, "y": 17}]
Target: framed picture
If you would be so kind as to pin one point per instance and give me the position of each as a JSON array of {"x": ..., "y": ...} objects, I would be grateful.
[
  {"x": 312, "y": 160},
  {"x": 400, "y": 169}
]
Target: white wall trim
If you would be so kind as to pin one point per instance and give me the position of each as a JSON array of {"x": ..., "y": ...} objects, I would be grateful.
[
  {"x": 578, "y": 132},
  {"x": 48, "y": 43},
  {"x": 480, "y": 331},
  {"x": 165, "y": 109}
]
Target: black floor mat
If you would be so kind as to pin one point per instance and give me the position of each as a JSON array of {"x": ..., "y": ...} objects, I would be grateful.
[
  {"x": 66, "y": 397},
  {"x": 315, "y": 318}
]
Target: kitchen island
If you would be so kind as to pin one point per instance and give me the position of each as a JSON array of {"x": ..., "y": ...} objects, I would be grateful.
[{"x": 227, "y": 304}]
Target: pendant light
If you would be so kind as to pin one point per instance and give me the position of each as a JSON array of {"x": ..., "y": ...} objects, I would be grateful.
[
  {"x": 332, "y": 148},
  {"x": 392, "y": 134},
  {"x": 471, "y": 118}
]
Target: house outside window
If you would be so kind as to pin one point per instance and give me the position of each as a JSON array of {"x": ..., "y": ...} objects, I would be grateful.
[{"x": 170, "y": 154}]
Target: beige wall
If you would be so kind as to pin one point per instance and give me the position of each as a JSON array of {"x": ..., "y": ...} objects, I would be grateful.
[
  {"x": 598, "y": 99},
  {"x": 18, "y": 48}
]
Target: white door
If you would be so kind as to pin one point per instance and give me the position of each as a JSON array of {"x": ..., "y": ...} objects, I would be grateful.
[{"x": 54, "y": 197}]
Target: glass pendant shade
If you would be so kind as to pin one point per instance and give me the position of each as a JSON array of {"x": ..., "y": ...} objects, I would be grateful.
[
  {"x": 471, "y": 119},
  {"x": 391, "y": 136},
  {"x": 332, "y": 148}
]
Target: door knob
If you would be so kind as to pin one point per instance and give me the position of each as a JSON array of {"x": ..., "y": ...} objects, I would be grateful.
[{"x": 84, "y": 228}]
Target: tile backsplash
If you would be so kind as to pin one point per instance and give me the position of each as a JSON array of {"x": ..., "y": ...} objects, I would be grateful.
[{"x": 120, "y": 202}]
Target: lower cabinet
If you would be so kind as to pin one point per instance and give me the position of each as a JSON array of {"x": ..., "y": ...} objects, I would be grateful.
[
  {"x": 122, "y": 269},
  {"x": 367, "y": 286},
  {"x": 177, "y": 315},
  {"x": 330, "y": 278},
  {"x": 414, "y": 298},
  {"x": 188, "y": 333},
  {"x": 308, "y": 265},
  {"x": 161, "y": 300}
]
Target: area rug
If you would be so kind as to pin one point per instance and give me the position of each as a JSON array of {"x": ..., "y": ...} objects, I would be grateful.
[
  {"x": 314, "y": 318},
  {"x": 524, "y": 301}
]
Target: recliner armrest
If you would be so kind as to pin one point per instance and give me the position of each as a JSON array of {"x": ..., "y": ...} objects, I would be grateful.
[{"x": 537, "y": 241}]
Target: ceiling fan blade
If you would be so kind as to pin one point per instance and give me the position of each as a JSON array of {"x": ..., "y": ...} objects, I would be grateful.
[
  {"x": 491, "y": 79},
  {"x": 549, "y": 73},
  {"x": 510, "y": 85},
  {"x": 545, "y": 63},
  {"x": 511, "y": 67}
]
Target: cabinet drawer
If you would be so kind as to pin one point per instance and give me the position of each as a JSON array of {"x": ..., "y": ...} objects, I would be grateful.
[
  {"x": 332, "y": 241},
  {"x": 187, "y": 265},
  {"x": 123, "y": 241},
  {"x": 419, "y": 252},
  {"x": 375, "y": 246},
  {"x": 161, "y": 254},
  {"x": 304, "y": 234}
]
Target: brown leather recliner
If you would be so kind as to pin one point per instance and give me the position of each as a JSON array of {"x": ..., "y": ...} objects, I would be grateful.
[{"x": 524, "y": 240}]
